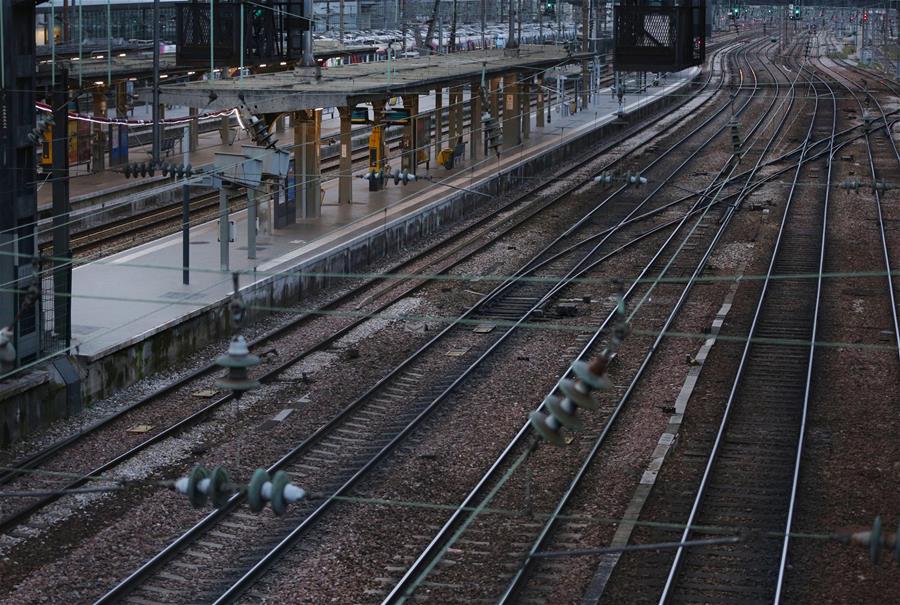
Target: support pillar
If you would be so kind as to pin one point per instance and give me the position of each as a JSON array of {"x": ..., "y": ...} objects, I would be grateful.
[
  {"x": 224, "y": 130},
  {"x": 539, "y": 93},
  {"x": 453, "y": 100},
  {"x": 224, "y": 228},
  {"x": 438, "y": 120},
  {"x": 194, "y": 137},
  {"x": 494, "y": 97},
  {"x": 410, "y": 134},
  {"x": 377, "y": 163},
  {"x": 307, "y": 164},
  {"x": 251, "y": 223},
  {"x": 456, "y": 115},
  {"x": 279, "y": 123},
  {"x": 585, "y": 47},
  {"x": 525, "y": 96},
  {"x": 512, "y": 130},
  {"x": 345, "y": 170},
  {"x": 98, "y": 151},
  {"x": 475, "y": 111},
  {"x": 119, "y": 147}
]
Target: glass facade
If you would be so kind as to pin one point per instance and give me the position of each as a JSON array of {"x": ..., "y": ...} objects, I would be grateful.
[{"x": 127, "y": 22}]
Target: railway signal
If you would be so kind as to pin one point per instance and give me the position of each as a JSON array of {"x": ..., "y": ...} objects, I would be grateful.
[{"x": 202, "y": 485}]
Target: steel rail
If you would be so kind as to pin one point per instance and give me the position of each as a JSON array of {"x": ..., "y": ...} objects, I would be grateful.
[
  {"x": 401, "y": 590},
  {"x": 872, "y": 172},
  {"x": 128, "y": 583},
  {"x": 695, "y": 509},
  {"x": 807, "y": 388},
  {"x": 262, "y": 566},
  {"x": 517, "y": 583}
]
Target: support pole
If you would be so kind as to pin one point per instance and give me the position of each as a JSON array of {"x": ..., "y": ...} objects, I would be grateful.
[
  {"x": 185, "y": 234},
  {"x": 223, "y": 228},
  {"x": 511, "y": 36},
  {"x": 251, "y": 223},
  {"x": 411, "y": 151},
  {"x": 438, "y": 120},
  {"x": 157, "y": 135},
  {"x": 307, "y": 126},
  {"x": 345, "y": 170},
  {"x": 376, "y": 142},
  {"x": 98, "y": 153},
  {"x": 309, "y": 59},
  {"x": 539, "y": 88},
  {"x": 585, "y": 46},
  {"x": 475, "y": 112},
  {"x": 525, "y": 107},
  {"x": 62, "y": 268},
  {"x": 195, "y": 130},
  {"x": 512, "y": 130}
]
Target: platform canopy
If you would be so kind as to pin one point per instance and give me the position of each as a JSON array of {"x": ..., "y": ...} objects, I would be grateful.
[{"x": 347, "y": 85}]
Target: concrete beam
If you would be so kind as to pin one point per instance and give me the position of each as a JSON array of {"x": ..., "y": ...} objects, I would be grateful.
[{"x": 307, "y": 162}]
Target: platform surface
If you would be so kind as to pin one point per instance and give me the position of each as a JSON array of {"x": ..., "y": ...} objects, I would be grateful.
[{"x": 120, "y": 299}]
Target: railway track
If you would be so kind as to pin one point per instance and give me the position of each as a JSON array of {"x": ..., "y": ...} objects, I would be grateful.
[
  {"x": 363, "y": 299},
  {"x": 750, "y": 478},
  {"x": 480, "y": 236},
  {"x": 888, "y": 156},
  {"x": 515, "y": 584},
  {"x": 347, "y": 447}
]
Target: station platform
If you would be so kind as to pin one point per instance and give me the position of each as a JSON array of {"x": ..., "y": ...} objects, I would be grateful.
[
  {"x": 123, "y": 299},
  {"x": 112, "y": 180}
]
